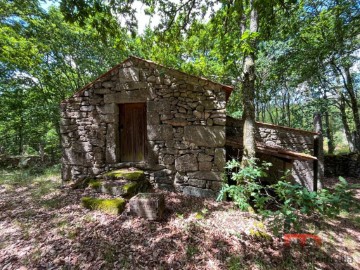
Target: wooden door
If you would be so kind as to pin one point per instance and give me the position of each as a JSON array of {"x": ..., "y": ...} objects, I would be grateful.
[{"x": 132, "y": 131}]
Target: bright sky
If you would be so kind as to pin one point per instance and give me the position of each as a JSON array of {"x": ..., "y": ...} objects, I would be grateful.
[{"x": 144, "y": 20}]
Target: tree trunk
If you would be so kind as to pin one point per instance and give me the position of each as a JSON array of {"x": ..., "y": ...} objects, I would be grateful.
[
  {"x": 354, "y": 106},
  {"x": 349, "y": 87},
  {"x": 329, "y": 134},
  {"x": 328, "y": 130},
  {"x": 248, "y": 88},
  {"x": 345, "y": 123}
]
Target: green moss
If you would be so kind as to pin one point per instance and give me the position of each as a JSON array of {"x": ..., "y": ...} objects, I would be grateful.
[
  {"x": 130, "y": 188},
  {"x": 137, "y": 175},
  {"x": 82, "y": 183},
  {"x": 110, "y": 206},
  {"x": 260, "y": 234},
  {"x": 95, "y": 184}
]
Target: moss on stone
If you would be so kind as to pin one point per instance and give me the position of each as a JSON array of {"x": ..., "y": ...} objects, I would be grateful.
[
  {"x": 81, "y": 183},
  {"x": 131, "y": 188},
  {"x": 95, "y": 184},
  {"x": 110, "y": 206},
  {"x": 137, "y": 175},
  {"x": 260, "y": 234}
]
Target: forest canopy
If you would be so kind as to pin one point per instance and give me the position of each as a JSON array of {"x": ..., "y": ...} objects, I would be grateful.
[{"x": 290, "y": 58}]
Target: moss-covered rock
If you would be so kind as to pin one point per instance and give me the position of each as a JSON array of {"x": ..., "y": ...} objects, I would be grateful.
[
  {"x": 131, "y": 188},
  {"x": 95, "y": 184},
  {"x": 81, "y": 183},
  {"x": 136, "y": 175},
  {"x": 110, "y": 206}
]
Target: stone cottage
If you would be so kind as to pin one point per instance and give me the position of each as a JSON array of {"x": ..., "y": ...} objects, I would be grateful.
[{"x": 142, "y": 114}]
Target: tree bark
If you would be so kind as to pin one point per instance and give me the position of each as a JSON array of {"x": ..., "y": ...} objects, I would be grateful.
[
  {"x": 248, "y": 88},
  {"x": 345, "y": 123},
  {"x": 328, "y": 130},
  {"x": 348, "y": 83},
  {"x": 349, "y": 87}
]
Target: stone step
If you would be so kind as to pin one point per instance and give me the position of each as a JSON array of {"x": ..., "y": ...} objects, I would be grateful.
[
  {"x": 130, "y": 174},
  {"x": 120, "y": 187},
  {"x": 113, "y": 206}
]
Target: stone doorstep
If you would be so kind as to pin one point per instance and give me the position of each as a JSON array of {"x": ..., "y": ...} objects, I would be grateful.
[{"x": 119, "y": 187}]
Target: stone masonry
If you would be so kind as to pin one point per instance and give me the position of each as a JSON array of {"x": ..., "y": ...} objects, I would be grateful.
[
  {"x": 273, "y": 136},
  {"x": 186, "y": 119}
]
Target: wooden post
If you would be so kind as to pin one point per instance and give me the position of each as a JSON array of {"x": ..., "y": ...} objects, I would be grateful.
[{"x": 318, "y": 164}]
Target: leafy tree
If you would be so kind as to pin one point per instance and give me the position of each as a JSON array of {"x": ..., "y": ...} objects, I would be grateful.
[{"x": 44, "y": 59}]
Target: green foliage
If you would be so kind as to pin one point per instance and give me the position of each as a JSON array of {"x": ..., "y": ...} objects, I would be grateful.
[
  {"x": 292, "y": 201},
  {"x": 43, "y": 60},
  {"x": 247, "y": 184}
]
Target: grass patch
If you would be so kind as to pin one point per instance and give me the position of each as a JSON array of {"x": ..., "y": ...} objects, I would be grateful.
[
  {"x": 110, "y": 206},
  {"x": 26, "y": 177}
]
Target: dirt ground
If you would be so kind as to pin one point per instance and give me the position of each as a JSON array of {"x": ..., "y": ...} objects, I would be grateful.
[{"x": 43, "y": 226}]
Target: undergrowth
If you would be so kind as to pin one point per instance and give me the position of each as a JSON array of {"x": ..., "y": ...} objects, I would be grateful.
[{"x": 284, "y": 203}]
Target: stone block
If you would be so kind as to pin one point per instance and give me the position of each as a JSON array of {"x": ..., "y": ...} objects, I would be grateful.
[
  {"x": 168, "y": 159},
  {"x": 220, "y": 158},
  {"x": 213, "y": 136},
  {"x": 180, "y": 178},
  {"x": 86, "y": 108},
  {"x": 219, "y": 121},
  {"x": 102, "y": 91},
  {"x": 205, "y": 166},
  {"x": 153, "y": 118},
  {"x": 129, "y": 74},
  {"x": 159, "y": 106},
  {"x": 108, "y": 109},
  {"x": 205, "y": 175},
  {"x": 150, "y": 206},
  {"x": 177, "y": 122},
  {"x": 197, "y": 183},
  {"x": 198, "y": 192},
  {"x": 108, "y": 84},
  {"x": 215, "y": 185},
  {"x": 186, "y": 163},
  {"x": 204, "y": 157},
  {"x": 129, "y": 86},
  {"x": 159, "y": 132},
  {"x": 127, "y": 97}
]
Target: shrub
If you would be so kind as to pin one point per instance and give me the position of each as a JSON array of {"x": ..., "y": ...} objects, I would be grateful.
[{"x": 291, "y": 201}]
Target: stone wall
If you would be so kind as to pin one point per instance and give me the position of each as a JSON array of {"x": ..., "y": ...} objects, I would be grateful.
[
  {"x": 346, "y": 165},
  {"x": 185, "y": 127},
  {"x": 277, "y": 136},
  {"x": 24, "y": 161}
]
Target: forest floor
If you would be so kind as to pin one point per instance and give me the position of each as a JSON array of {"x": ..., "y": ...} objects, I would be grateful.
[{"x": 43, "y": 226}]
